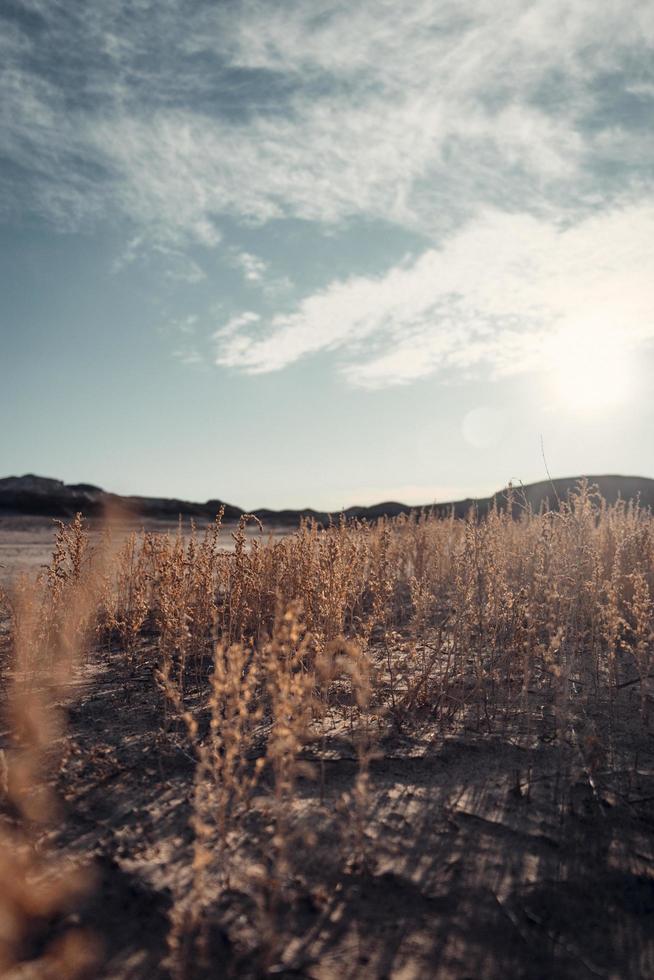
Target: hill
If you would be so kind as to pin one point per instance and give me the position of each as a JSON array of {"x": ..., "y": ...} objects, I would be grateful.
[
  {"x": 37, "y": 495},
  {"x": 45, "y": 497}
]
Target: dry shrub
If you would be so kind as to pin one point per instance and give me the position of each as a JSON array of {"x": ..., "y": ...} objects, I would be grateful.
[
  {"x": 530, "y": 624},
  {"x": 52, "y": 624},
  {"x": 526, "y": 624}
]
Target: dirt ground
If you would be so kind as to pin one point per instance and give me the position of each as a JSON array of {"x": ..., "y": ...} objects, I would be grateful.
[{"x": 486, "y": 855}]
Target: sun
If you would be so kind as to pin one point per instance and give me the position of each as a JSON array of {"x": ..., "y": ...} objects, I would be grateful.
[{"x": 590, "y": 370}]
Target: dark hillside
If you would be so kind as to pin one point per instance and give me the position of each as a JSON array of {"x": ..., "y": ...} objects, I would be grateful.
[{"x": 41, "y": 496}]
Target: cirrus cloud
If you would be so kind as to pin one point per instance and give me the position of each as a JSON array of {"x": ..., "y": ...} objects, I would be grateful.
[
  {"x": 492, "y": 296},
  {"x": 419, "y": 116},
  {"x": 514, "y": 139}
]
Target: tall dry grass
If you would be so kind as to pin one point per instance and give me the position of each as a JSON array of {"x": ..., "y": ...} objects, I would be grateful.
[
  {"x": 539, "y": 626},
  {"x": 52, "y": 622}
]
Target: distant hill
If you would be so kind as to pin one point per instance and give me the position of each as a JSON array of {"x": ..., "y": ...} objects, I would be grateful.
[
  {"x": 552, "y": 492},
  {"x": 38, "y": 495},
  {"x": 534, "y": 495}
]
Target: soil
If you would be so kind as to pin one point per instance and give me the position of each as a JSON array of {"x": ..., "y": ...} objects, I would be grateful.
[{"x": 486, "y": 854}]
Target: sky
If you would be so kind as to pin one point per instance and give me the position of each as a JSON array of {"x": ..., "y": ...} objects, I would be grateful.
[{"x": 307, "y": 253}]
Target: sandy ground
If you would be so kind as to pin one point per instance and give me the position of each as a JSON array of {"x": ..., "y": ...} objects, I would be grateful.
[
  {"x": 486, "y": 854},
  {"x": 26, "y": 542}
]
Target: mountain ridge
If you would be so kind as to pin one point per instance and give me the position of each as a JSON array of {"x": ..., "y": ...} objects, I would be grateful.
[{"x": 47, "y": 497}]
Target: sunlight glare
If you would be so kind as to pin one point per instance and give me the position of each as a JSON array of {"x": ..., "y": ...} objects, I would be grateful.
[{"x": 590, "y": 369}]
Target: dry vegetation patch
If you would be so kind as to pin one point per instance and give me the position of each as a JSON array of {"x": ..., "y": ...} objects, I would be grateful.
[{"x": 416, "y": 748}]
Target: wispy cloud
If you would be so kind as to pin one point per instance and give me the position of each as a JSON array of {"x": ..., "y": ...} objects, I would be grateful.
[
  {"x": 515, "y": 137},
  {"x": 492, "y": 296},
  {"x": 236, "y": 324},
  {"x": 261, "y": 111},
  {"x": 257, "y": 273},
  {"x": 174, "y": 263},
  {"x": 252, "y": 267},
  {"x": 185, "y": 334}
]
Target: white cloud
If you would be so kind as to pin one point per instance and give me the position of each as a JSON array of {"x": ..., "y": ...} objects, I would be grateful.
[
  {"x": 492, "y": 297},
  {"x": 252, "y": 267},
  {"x": 485, "y": 127},
  {"x": 237, "y": 323},
  {"x": 419, "y": 115},
  {"x": 174, "y": 263}
]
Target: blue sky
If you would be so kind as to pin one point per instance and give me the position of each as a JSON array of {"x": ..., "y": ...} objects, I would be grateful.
[{"x": 306, "y": 253}]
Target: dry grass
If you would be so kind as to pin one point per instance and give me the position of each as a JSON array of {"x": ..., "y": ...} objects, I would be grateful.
[{"x": 268, "y": 655}]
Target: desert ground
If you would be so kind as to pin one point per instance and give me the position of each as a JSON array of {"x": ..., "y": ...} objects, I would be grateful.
[
  {"x": 485, "y": 855},
  {"x": 421, "y": 749}
]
